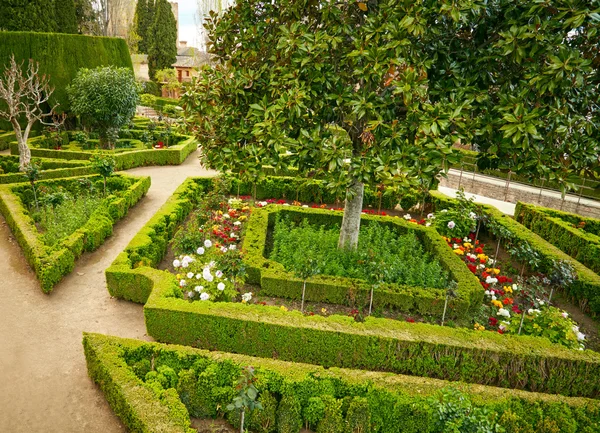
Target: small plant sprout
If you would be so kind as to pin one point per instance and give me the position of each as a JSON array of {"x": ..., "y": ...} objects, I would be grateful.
[
  {"x": 32, "y": 171},
  {"x": 246, "y": 400},
  {"x": 375, "y": 274},
  {"x": 104, "y": 166},
  {"x": 450, "y": 293},
  {"x": 306, "y": 267}
]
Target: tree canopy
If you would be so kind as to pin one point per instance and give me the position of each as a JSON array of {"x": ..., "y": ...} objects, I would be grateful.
[
  {"x": 377, "y": 92},
  {"x": 38, "y": 15},
  {"x": 162, "y": 37}
]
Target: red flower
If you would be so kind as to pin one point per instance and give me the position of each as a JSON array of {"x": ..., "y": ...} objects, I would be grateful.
[
  {"x": 410, "y": 320},
  {"x": 485, "y": 285},
  {"x": 472, "y": 268},
  {"x": 382, "y": 213},
  {"x": 515, "y": 309},
  {"x": 281, "y": 201},
  {"x": 500, "y": 331},
  {"x": 493, "y": 321},
  {"x": 478, "y": 250},
  {"x": 471, "y": 259},
  {"x": 507, "y": 301}
]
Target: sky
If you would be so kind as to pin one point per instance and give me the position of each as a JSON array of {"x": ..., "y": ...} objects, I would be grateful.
[{"x": 189, "y": 22}]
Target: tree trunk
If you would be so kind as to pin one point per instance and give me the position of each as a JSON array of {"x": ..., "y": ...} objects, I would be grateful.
[
  {"x": 242, "y": 420},
  {"x": 351, "y": 220},
  {"x": 24, "y": 155}
]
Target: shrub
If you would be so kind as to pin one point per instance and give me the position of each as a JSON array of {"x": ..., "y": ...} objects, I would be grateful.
[
  {"x": 358, "y": 417},
  {"x": 289, "y": 414},
  {"x": 332, "y": 421}
]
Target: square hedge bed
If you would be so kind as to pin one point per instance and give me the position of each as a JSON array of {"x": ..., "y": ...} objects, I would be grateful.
[
  {"x": 51, "y": 168},
  {"x": 521, "y": 362},
  {"x": 155, "y": 387},
  {"x": 560, "y": 229},
  {"x": 275, "y": 281},
  {"x": 585, "y": 289},
  {"x": 125, "y": 159},
  {"x": 51, "y": 263}
]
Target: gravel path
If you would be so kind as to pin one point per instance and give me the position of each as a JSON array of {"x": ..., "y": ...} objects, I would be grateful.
[{"x": 44, "y": 385}]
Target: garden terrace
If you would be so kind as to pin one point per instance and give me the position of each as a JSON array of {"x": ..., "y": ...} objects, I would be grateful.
[
  {"x": 520, "y": 362},
  {"x": 585, "y": 289},
  {"x": 50, "y": 168},
  {"x": 155, "y": 387},
  {"x": 276, "y": 281},
  {"x": 577, "y": 236},
  {"x": 53, "y": 260}
]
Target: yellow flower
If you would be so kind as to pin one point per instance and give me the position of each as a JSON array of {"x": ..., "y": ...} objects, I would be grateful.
[
  {"x": 482, "y": 257},
  {"x": 468, "y": 245},
  {"x": 242, "y": 217},
  {"x": 283, "y": 308},
  {"x": 459, "y": 252},
  {"x": 243, "y": 301},
  {"x": 245, "y": 208},
  {"x": 323, "y": 310},
  {"x": 497, "y": 304},
  {"x": 178, "y": 276},
  {"x": 508, "y": 289},
  {"x": 496, "y": 271},
  {"x": 479, "y": 327},
  {"x": 219, "y": 212}
]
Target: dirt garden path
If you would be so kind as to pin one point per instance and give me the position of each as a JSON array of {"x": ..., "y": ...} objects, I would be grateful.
[{"x": 44, "y": 385}]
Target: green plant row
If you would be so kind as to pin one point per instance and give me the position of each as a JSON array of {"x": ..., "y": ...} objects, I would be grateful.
[
  {"x": 52, "y": 263},
  {"x": 579, "y": 244},
  {"x": 585, "y": 289},
  {"x": 591, "y": 225},
  {"x": 174, "y": 155},
  {"x": 200, "y": 383},
  {"x": 51, "y": 169},
  {"x": 274, "y": 280}
]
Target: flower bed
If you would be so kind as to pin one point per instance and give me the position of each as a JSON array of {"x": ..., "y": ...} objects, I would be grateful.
[
  {"x": 577, "y": 236},
  {"x": 51, "y": 263},
  {"x": 154, "y": 387}
]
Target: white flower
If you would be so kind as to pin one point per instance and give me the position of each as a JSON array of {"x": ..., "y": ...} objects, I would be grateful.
[
  {"x": 580, "y": 336},
  {"x": 200, "y": 251},
  {"x": 221, "y": 286},
  {"x": 190, "y": 275},
  {"x": 455, "y": 246},
  {"x": 491, "y": 280},
  {"x": 237, "y": 223},
  {"x": 207, "y": 243},
  {"x": 491, "y": 261},
  {"x": 494, "y": 297},
  {"x": 407, "y": 217},
  {"x": 232, "y": 247},
  {"x": 286, "y": 204},
  {"x": 182, "y": 283},
  {"x": 515, "y": 287},
  {"x": 219, "y": 274},
  {"x": 224, "y": 249},
  {"x": 533, "y": 311},
  {"x": 211, "y": 264},
  {"x": 427, "y": 224},
  {"x": 502, "y": 327},
  {"x": 263, "y": 203},
  {"x": 198, "y": 276},
  {"x": 176, "y": 263},
  {"x": 472, "y": 215},
  {"x": 188, "y": 259},
  {"x": 199, "y": 288},
  {"x": 226, "y": 216},
  {"x": 204, "y": 296},
  {"x": 451, "y": 224},
  {"x": 488, "y": 293},
  {"x": 190, "y": 294},
  {"x": 444, "y": 210},
  {"x": 304, "y": 205},
  {"x": 542, "y": 302},
  {"x": 247, "y": 296},
  {"x": 430, "y": 216},
  {"x": 466, "y": 239},
  {"x": 481, "y": 266},
  {"x": 185, "y": 264},
  {"x": 575, "y": 328},
  {"x": 208, "y": 277},
  {"x": 565, "y": 314},
  {"x": 503, "y": 312},
  {"x": 233, "y": 235}
]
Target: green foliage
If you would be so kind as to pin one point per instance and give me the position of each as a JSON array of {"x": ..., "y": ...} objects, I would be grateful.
[
  {"x": 246, "y": 399},
  {"x": 66, "y": 20},
  {"x": 105, "y": 98},
  {"x": 314, "y": 411},
  {"x": 332, "y": 421},
  {"x": 27, "y": 15},
  {"x": 162, "y": 46},
  {"x": 358, "y": 417},
  {"x": 264, "y": 420},
  {"x": 60, "y": 56},
  {"x": 403, "y": 255},
  {"x": 289, "y": 414},
  {"x": 395, "y": 403},
  {"x": 104, "y": 166}
]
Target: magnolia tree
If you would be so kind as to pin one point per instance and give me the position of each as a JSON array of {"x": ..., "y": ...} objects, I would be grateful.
[
  {"x": 376, "y": 92},
  {"x": 24, "y": 94}
]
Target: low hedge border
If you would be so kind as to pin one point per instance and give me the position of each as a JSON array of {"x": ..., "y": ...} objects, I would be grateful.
[
  {"x": 395, "y": 402},
  {"x": 51, "y": 169},
  {"x": 585, "y": 289},
  {"x": 581, "y": 245},
  {"x": 174, "y": 155},
  {"x": 592, "y": 225},
  {"x": 274, "y": 280},
  {"x": 52, "y": 263}
]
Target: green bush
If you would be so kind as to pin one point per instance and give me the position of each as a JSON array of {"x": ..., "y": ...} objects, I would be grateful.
[
  {"x": 51, "y": 263},
  {"x": 392, "y": 402},
  {"x": 332, "y": 421},
  {"x": 558, "y": 229}
]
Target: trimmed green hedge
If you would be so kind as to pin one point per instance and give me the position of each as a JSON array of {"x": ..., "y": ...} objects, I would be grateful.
[
  {"x": 585, "y": 289},
  {"x": 579, "y": 244},
  {"x": 274, "y": 280},
  {"x": 52, "y": 263},
  {"x": 174, "y": 155},
  {"x": 51, "y": 169},
  {"x": 592, "y": 225},
  {"x": 60, "y": 56},
  {"x": 204, "y": 385}
]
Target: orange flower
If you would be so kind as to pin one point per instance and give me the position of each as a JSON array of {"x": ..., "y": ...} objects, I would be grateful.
[{"x": 507, "y": 301}]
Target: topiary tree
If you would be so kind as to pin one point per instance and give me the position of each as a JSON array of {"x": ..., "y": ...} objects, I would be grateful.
[
  {"x": 162, "y": 48},
  {"x": 377, "y": 92},
  {"x": 104, "y": 166},
  {"x": 105, "y": 99},
  {"x": 33, "y": 172}
]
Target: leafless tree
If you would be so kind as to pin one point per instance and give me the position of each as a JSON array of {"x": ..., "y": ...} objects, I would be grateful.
[
  {"x": 114, "y": 16},
  {"x": 24, "y": 92}
]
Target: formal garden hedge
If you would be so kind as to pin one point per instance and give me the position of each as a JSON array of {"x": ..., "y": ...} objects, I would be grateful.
[
  {"x": 274, "y": 280},
  {"x": 50, "y": 169},
  {"x": 51, "y": 263},
  {"x": 154, "y": 387},
  {"x": 585, "y": 289},
  {"x": 520, "y": 362},
  {"x": 564, "y": 231},
  {"x": 61, "y": 55}
]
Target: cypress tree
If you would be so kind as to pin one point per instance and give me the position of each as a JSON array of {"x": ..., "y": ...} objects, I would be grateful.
[
  {"x": 27, "y": 15},
  {"x": 151, "y": 8},
  {"x": 66, "y": 19},
  {"x": 163, "y": 48},
  {"x": 141, "y": 20}
]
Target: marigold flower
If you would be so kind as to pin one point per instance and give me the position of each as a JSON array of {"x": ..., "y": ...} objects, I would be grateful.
[{"x": 497, "y": 304}]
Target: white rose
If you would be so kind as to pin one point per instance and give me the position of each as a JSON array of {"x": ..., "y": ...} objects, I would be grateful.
[
  {"x": 503, "y": 312},
  {"x": 232, "y": 247},
  {"x": 204, "y": 296},
  {"x": 219, "y": 274},
  {"x": 494, "y": 297},
  {"x": 407, "y": 217},
  {"x": 565, "y": 314},
  {"x": 580, "y": 336},
  {"x": 182, "y": 283},
  {"x": 207, "y": 243},
  {"x": 237, "y": 223},
  {"x": 430, "y": 216},
  {"x": 200, "y": 251},
  {"x": 190, "y": 275},
  {"x": 190, "y": 294},
  {"x": 198, "y": 276},
  {"x": 176, "y": 263},
  {"x": 198, "y": 288},
  {"x": 451, "y": 224},
  {"x": 221, "y": 286},
  {"x": 224, "y": 249},
  {"x": 185, "y": 264}
]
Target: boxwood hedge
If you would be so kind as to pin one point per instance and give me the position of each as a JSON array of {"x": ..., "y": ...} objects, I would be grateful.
[
  {"x": 558, "y": 229},
  {"x": 50, "y": 169},
  {"x": 274, "y": 280},
  {"x": 201, "y": 383},
  {"x": 51, "y": 263}
]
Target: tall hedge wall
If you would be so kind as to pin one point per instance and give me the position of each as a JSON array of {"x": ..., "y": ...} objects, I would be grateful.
[{"x": 61, "y": 55}]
